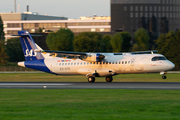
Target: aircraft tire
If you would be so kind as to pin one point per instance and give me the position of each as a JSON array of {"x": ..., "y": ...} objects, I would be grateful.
[
  {"x": 109, "y": 79},
  {"x": 164, "y": 77},
  {"x": 91, "y": 79}
]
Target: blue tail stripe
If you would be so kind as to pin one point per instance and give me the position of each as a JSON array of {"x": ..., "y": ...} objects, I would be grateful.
[{"x": 28, "y": 46}]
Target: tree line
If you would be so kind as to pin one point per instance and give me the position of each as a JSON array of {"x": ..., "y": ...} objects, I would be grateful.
[{"x": 64, "y": 40}]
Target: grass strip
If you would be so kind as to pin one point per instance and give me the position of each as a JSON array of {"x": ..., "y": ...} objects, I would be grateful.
[
  {"x": 89, "y": 104},
  {"x": 45, "y": 77}
]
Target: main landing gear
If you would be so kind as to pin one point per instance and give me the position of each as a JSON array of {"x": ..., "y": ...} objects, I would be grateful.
[
  {"x": 92, "y": 79},
  {"x": 109, "y": 79},
  {"x": 163, "y": 75}
]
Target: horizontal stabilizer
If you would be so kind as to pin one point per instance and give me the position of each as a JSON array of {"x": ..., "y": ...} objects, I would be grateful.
[
  {"x": 27, "y": 35},
  {"x": 20, "y": 35}
]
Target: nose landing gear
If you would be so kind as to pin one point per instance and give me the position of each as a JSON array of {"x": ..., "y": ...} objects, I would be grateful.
[{"x": 163, "y": 75}]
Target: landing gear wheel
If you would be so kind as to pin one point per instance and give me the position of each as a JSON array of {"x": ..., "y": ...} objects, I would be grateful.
[
  {"x": 91, "y": 79},
  {"x": 109, "y": 79},
  {"x": 164, "y": 77}
]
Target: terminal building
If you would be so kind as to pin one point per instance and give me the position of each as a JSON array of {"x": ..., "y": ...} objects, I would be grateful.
[
  {"x": 77, "y": 26},
  {"x": 28, "y": 16},
  {"x": 156, "y": 16},
  {"x": 14, "y": 22}
]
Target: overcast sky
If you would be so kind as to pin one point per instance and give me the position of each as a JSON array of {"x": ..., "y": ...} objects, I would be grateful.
[{"x": 69, "y": 8}]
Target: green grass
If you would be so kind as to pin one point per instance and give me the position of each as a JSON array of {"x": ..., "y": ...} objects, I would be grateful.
[
  {"x": 44, "y": 77},
  {"x": 89, "y": 104}
]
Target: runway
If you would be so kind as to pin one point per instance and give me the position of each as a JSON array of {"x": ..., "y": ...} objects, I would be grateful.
[{"x": 96, "y": 85}]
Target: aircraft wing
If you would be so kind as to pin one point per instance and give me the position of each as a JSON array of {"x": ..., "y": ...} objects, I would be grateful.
[
  {"x": 90, "y": 57},
  {"x": 62, "y": 52}
]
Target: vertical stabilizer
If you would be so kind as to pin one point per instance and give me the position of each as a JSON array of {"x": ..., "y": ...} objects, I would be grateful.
[{"x": 29, "y": 47}]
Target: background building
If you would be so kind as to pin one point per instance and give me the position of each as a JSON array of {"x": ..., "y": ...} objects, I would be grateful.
[
  {"x": 28, "y": 16},
  {"x": 32, "y": 22},
  {"x": 77, "y": 26},
  {"x": 157, "y": 16}
]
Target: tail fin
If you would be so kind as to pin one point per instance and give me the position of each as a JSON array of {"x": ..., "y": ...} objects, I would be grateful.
[{"x": 29, "y": 46}]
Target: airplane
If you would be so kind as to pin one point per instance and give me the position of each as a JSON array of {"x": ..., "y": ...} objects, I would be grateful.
[{"x": 91, "y": 64}]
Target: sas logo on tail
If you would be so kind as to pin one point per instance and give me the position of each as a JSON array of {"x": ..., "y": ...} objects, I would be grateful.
[{"x": 30, "y": 53}]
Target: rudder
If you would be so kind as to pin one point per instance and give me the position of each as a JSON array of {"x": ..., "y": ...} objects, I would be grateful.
[{"x": 29, "y": 47}]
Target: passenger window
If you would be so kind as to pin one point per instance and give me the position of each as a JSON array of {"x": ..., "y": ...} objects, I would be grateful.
[
  {"x": 77, "y": 63},
  {"x": 74, "y": 63},
  {"x": 125, "y": 62},
  {"x": 129, "y": 62},
  {"x": 59, "y": 64},
  {"x": 71, "y": 63},
  {"x": 68, "y": 63},
  {"x": 63, "y": 64},
  {"x": 119, "y": 62}
]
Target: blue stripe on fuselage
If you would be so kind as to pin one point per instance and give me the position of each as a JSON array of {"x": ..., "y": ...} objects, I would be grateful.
[{"x": 37, "y": 65}]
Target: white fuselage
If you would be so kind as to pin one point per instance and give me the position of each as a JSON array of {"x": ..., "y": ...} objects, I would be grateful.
[{"x": 111, "y": 65}]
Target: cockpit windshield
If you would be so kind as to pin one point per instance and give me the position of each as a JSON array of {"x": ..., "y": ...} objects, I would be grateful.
[{"x": 158, "y": 58}]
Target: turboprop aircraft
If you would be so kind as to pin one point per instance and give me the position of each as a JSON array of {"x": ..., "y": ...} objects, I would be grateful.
[{"x": 91, "y": 64}]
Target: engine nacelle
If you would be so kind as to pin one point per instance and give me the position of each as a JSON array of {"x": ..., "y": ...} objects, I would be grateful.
[{"x": 93, "y": 57}]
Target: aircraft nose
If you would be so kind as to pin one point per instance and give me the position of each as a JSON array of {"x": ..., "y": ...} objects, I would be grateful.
[{"x": 171, "y": 65}]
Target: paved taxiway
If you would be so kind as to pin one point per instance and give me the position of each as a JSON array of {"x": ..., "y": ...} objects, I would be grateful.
[{"x": 96, "y": 85}]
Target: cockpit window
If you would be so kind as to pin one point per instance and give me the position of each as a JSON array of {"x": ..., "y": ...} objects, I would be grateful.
[{"x": 158, "y": 58}]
